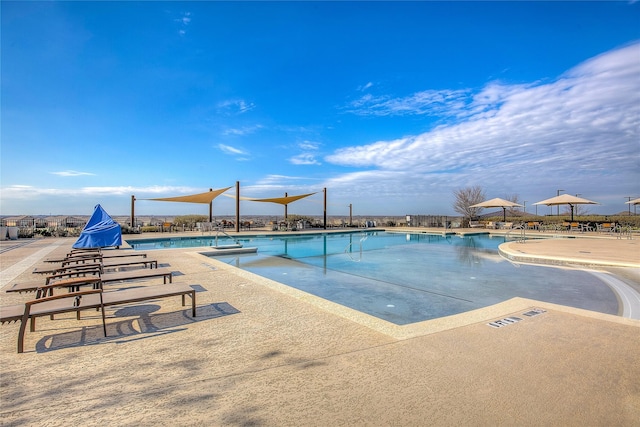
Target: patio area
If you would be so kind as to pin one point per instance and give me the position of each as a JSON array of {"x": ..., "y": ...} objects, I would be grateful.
[{"x": 259, "y": 355}]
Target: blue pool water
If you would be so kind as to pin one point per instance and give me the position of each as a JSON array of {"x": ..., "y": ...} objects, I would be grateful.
[{"x": 407, "y": 278}]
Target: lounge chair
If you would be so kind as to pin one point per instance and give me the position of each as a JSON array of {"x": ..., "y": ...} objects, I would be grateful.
[
  {"x": 92, "y": 254},
  {"x": 121, "y": 276},
  {"x": 105, "y": 264},
  {"x": 85, "y": 300}
]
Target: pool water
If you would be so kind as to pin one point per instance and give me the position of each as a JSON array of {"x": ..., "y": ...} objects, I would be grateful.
[{"x": 407, "y": 278}]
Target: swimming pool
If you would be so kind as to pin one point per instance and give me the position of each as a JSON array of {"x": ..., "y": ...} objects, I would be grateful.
[{"x": 407, "y": 278}]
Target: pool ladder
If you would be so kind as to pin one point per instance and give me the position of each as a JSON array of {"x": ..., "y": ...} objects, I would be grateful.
[
  {"x": 220, "y": 230},
  {"x": 521, "y": 238},
  {"x": 346, "y": 250}
]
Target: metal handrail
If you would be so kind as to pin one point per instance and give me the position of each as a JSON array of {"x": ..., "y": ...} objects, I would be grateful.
[
  {"x": 346, "y": 250},
  {"x": 523, "y": 233},
  {"x": 219, "y": 230}
]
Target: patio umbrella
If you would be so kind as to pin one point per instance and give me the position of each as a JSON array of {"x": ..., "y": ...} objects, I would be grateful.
[
  {"x": 633, "y": 202},
  {"x": 566, "y": 199},
  {"x": 497, "y": 203}
]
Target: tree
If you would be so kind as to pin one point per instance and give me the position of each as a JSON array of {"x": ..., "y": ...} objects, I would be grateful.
[
  {"x": 515, "y": 199},
  {"x": 578, "y": 210},
  {"x": 465, "y": 198}
]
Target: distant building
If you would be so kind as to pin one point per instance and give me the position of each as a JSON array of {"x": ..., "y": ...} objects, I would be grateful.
[
  {"x": 18, "y": 221},
  {"x": 66, "y": 221}
]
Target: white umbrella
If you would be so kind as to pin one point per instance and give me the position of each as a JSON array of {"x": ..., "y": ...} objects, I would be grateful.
[
  {"x": 633, "y": 202},
  {"x": 566, "y": 199},
  {"x": 497, "y": 203}
]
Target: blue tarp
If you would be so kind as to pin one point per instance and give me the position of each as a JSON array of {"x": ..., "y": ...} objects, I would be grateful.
[{"x": 100, "y": 232}]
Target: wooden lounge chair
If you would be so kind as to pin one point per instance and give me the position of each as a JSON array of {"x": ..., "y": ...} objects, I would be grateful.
[
  {"x": 93, "y": 254},
  {"x": 105, "y": 264},
  {"x": 85, "y": 300},
  {"x": 121, "y": 276}
]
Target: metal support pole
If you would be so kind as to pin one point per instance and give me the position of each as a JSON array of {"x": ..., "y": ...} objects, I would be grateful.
[
  {"x": 133, "y": 217},
  {"x": 325, "y": 207},
  {"x": 211, "y": 208},
  {"x": 557, "y": 194},
  {"x": 237, "y": 206}
]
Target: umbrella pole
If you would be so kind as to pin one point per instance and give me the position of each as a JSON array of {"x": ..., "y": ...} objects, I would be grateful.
[{"x": 504, "y": 214}]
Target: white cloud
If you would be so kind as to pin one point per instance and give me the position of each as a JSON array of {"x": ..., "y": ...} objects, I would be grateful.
[
  {"x": 309, "y": 145},
  {"x": 72, "y": 173},
  {"x": 581, "y": 131},
  {"x": 236, "y": 106},
  {"x": 431, "y": 102},
  {"x": 184, "y": 20},
  {"x": 247, "y": 130},
  {"x": 309, "y": 154},
  {"x": 274, "y": 179},
  {"x": 304, "y": 159},
  {"x": 227, "y": 149},
  {"x": 27, "y": 192}
]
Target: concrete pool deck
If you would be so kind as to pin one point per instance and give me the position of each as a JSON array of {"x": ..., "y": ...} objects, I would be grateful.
[{"x": 258, "y": 354}]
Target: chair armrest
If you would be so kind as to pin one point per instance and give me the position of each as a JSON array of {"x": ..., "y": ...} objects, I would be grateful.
[
  {"x": 73, "y": 283},
  {"x": 82, "y": 258},
  {"x": 80, "y": 273},
  {"x": 80, "y": 262},
  {"x": 61, "y": 296}
]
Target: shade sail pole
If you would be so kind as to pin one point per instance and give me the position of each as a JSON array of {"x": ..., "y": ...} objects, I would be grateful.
[
  {"x": 133, "y": 217},
  {"x": 211, "y": 208},
  {"x": 286, "y": 212},
  {"x": 237, "y": 206},
  {"x": 325, "y": 207}
]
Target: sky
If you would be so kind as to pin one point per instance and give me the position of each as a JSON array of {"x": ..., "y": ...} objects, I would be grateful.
[{"x": 389, "y": 106}]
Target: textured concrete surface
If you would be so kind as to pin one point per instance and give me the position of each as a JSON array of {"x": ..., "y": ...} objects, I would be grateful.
[{"x": 259, "y": 353}]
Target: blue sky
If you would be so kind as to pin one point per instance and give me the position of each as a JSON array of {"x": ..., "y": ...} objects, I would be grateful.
[{"x": 391, "y": 106}]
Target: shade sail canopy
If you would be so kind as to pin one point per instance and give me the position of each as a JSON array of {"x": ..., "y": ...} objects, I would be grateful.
[
  {"x": 283, "y": 200},
  {"x": 280, "y": 200},
  {"x": 204, "y": 198},
  {"x": 566, "y": 199},
  {"x": 497, "y": 203},
  {"x": 100, "y": 232},
  {"x": 633, "y": 202}
]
